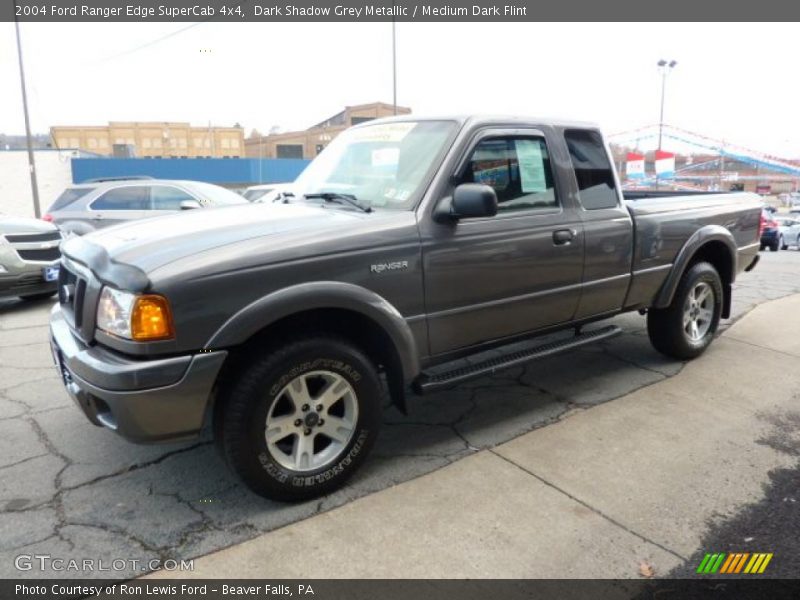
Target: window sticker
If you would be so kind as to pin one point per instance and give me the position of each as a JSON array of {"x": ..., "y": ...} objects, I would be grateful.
[
  {"x": 385, "y": 157},
  {"x": 531, "y": 166},
  {"x": 389, "y": 132}
]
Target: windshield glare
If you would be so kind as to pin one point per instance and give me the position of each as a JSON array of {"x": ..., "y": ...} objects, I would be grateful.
[{"x": 382, "y": 165}]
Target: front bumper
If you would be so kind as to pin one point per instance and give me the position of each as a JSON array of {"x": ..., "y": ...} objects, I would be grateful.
[
  {"x": 144, "y": 401},
  {"x": 28, "y": 283}
]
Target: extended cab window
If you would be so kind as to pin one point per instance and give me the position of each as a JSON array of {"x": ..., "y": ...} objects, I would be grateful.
[
  {"x": 132, "y": 197},
  {"x": 518, "y": 168},
  {"x": 596, "y": 188}
]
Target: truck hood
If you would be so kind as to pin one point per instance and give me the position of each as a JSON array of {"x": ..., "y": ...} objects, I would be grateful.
[
  {"x": 148, "y": 244},
  {"x": 12, "y": 225}
]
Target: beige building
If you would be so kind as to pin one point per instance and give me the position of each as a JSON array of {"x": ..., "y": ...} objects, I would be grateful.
[
  {"x": 310, "y": 142},
  {"x": 152, "y": 140}
]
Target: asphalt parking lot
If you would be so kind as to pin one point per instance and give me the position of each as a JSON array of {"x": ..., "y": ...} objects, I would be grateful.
[{"x": 70, "y": 489}]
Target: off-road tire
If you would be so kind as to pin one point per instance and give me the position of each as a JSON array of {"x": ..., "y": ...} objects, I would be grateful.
[
  {"x": 255, "y": 387},
  {"x": 665, "y": 326}
]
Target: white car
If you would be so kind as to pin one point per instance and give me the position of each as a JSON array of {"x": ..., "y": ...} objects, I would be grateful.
[
  {"x": 789, "y": 228},
  {"x": 266, "y": 193}
]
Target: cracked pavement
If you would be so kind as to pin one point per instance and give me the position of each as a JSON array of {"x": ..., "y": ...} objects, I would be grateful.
[{"x": 73, "y": 490}]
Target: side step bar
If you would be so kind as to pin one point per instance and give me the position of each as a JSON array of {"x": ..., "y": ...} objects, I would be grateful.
[{"x": 432, "y": 382}]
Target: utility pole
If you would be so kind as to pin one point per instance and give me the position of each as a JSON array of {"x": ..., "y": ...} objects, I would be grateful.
[
  {"x": 665, "y": 67},
  {"x": 37, "y": 211},
  {"x": 394, "y": 63}
]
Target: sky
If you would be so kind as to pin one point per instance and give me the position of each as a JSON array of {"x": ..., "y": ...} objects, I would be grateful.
[{"x": 735, "y": 82}]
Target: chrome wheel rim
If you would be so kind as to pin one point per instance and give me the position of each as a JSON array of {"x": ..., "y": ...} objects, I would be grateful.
[
  {"x": 311, "y": 421},
  {"x": 698, "y": 311}
]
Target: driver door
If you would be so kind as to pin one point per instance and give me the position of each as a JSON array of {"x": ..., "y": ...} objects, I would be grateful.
[{"x": 490, "y": 278}]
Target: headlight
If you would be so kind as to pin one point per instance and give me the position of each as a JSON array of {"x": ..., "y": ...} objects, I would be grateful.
[{"x": 136, "y": 317}]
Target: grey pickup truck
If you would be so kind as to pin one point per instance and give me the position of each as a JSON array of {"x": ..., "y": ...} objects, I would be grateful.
[{"x": 403, "y": 252}]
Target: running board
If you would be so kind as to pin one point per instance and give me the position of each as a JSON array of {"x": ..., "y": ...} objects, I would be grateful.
[{"x": 431, "y": 382}]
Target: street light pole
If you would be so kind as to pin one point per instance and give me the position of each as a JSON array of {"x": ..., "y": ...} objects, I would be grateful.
[
  {"x": 665, "y": 67},
  {"x": 394, "y": 64},
  {"x": 31, "y": 162}
]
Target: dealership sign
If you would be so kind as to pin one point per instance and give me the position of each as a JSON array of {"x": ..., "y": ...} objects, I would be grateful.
[
  {"x": 665, "y": 164},
  {"x": 634, "y": 167}
]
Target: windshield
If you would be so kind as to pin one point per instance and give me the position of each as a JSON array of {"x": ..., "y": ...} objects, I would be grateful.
[
  {"x": 383, "y": 165},
  {"x": 214, "y": 194},
  {"x": 254, "y": 194}
]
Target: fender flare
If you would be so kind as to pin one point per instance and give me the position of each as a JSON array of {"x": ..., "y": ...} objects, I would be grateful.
[
  {"x": 704, "y": 235},
  {"x": 317, "y": 295}
]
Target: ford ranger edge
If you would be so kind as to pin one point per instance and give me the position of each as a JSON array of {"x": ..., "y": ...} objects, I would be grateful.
[{"x": 406, "y": 247}]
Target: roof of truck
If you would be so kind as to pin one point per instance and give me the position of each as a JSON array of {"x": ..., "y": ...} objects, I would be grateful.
[{"x": 488, "y": 119}]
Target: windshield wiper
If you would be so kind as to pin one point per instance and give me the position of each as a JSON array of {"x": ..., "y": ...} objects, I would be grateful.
[{"x": 336, "y": 197}]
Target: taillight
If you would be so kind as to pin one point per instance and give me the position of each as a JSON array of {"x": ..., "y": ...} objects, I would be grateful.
[{"x": 47, "y": 217}]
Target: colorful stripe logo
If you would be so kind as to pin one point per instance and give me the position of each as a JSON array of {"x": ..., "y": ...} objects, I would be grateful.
[{"x": 734, "y": 562}]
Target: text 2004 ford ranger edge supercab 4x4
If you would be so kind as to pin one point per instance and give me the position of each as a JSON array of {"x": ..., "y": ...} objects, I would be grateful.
[{"x": 406, "y": 246}]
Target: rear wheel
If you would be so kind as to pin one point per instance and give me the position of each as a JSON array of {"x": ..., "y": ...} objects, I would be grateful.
[
  {"x": 298, "y": 422},
  {"x": 687, "y": 326},
  {"x": 774, "y": 246}
]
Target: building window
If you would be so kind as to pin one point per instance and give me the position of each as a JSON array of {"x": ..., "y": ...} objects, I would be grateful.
[
  {"x": 198, "y": 142},
  {"x": 226, "y": 143},
  {"x": 92, "y": 142},
  {"x": 289, "y": 150},
  {"x": 146, "y": 143},
  {"x": 182, "y": 142},
  {"x": 357, "y": 120},
  {"x": 234, "y": 143},
  {"x": 74, "y": 143},
  {"x": 103, "y": 143}
]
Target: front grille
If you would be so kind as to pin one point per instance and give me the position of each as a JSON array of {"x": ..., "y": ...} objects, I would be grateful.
[
  {"x": 68, "y": 292},
  {"x": 40, "y": 254},
  {"x": 27, "y": 238}
]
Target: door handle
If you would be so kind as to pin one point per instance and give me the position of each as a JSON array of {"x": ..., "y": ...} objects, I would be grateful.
[{"x": 562, "y": 237}]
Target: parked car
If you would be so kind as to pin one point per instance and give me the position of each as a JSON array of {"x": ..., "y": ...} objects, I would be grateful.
[
  {"x": 769, "y": 231},
  {"x": 265, "y": 193},
  {"x": 409, "y": 247},
  {"x": 85, "y": 207},
  {"x": 789, "y": 232},
  {"x": 29, "y": 258}
]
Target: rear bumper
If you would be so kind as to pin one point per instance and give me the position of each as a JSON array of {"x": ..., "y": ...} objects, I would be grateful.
[
  {"x": 144, "y": 401},
  {"x": 769, "y": 236}
]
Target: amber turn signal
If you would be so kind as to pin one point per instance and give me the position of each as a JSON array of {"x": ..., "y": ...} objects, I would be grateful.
[{"x": 151, "y": 319}]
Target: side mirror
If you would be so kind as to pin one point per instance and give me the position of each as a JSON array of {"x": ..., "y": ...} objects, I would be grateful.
[
  {"x": 189, "y": 204},
  {"x": 469, "y": 201}
]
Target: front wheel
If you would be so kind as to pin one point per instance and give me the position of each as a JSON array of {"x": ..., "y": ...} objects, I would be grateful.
[
  {"x": 782, "y": 244},
  {"x": 687, "y": 326},
  {"x": 299, "y": 421}
]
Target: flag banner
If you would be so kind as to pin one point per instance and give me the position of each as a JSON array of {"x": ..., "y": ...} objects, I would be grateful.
[
  {"x": 634, "y": 166},
  {"x": 665, "y": 164}
]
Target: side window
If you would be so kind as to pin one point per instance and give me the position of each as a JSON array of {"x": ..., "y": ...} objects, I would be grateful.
[
  {"x": 517, "y": 168},
  {"x": 131, "y": 197},
  {"x": 596, "y": 188},
  {"x": 168, "y": 198}
]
